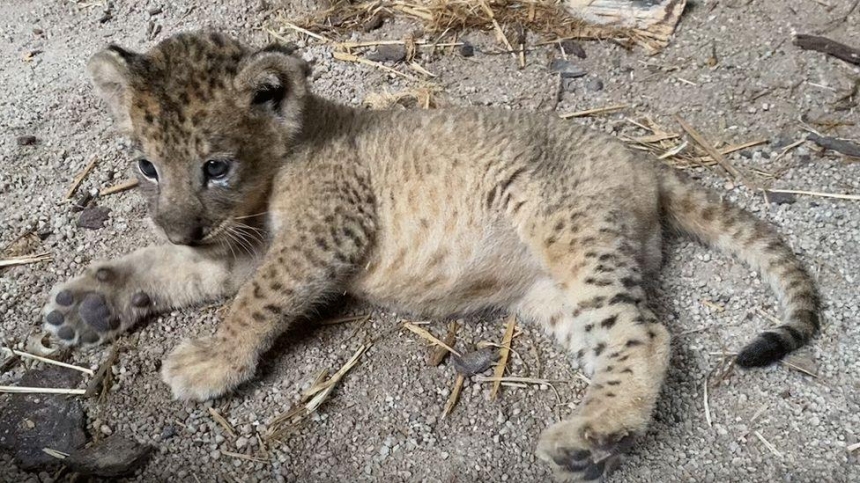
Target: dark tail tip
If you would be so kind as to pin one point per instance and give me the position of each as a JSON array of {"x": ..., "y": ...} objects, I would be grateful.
[{"x": 766, "y": 349}]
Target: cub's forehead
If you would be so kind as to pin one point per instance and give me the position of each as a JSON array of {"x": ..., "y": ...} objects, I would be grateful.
[
  {"x": 190, "y": 63},
  {"x": 181, "y": 85}
]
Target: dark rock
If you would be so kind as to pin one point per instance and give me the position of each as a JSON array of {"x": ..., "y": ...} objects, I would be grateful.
[
  {"x": 746, "y": 153},
  {"x": 475, "y": 362},
  {"x": 781, "y": 198},
  {"x": 572, "y": 47},
  {"x": 82, "y": 202},
  {"x": 594, "y": 85},
  {"x": 93, "y": 217},
  {"x": 566, "y": 69},
  {"x": 373, "y": 23},
  {"x": 30, "y": 422},
  {"x": 568, "y": 85},
  {"x": 388, "y": 53},
  {"x": 111, "y": 457},
  {"x": 467, "y": 49},
  {"x": 168, "y": 432},
  {"x": 782, "y": 142},
  {"x": 28, "y": 140}
]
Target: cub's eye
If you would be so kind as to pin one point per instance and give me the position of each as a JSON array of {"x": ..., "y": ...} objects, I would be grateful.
[
  {"x": 147, "y": 169},
  {"x": 216, "y": 168}
]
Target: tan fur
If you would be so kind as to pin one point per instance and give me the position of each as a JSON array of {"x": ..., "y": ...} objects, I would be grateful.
[{"x": 430, "y": 212}]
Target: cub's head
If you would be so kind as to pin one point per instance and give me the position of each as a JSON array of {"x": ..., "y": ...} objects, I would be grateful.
[{"x": 211, "y": 120}]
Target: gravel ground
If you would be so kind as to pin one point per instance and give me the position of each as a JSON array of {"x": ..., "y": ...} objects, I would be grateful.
[{"x": 383, "y": 421}]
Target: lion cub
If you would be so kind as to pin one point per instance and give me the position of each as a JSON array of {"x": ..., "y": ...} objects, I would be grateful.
[{"x": 281, "y": 198}]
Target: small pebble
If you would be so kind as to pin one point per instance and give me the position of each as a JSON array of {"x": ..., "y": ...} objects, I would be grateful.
[
  {"x": 27, "y": 140},
  {"x": 168, "y": 432},
  {"x": 594, "y": 85},
  {"x": 467, "y": 49},
  {"x": 572, "y": 47},
  {"x": 388, "y": 53}
]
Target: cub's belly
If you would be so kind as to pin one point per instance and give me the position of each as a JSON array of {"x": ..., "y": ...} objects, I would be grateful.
[{"x": 447, "y": 273}]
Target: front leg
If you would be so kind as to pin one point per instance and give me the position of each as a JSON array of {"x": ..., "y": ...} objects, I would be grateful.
[
  {"x": 308, "y": 260},
  {"x": 111, "y": 296}
]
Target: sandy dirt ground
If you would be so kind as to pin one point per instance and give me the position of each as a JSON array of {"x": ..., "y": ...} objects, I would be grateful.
[{"x": 383, "y": 422}]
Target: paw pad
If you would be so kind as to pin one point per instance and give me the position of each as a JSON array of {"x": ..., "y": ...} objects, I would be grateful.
[
  {"x": 65, "y": 298},
  {"x": 94, "y": 308},
  {"x": 95, "y": 312},
  {"x": 55, "y": 318},
  {"x": 140, "y": 300}
]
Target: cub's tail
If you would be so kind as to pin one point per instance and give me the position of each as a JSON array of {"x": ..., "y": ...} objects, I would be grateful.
[{"x": 700, "y": 213}]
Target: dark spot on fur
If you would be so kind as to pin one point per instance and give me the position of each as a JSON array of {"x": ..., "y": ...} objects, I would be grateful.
[
  {"x": 629, "y": 282},
  {"x": 259, "y": 317},
  {"x": 595, "y": 303},
  {"x": 608, "y": 322},
  {"x": 599, "y": 349},
  {"x": 613, "y": 383},
  {"x": 623, "y": 298},
  {"x": 627, "y": 371},
  {"x": 633, "y": 343},
  {"x": 589, "y": 327}
]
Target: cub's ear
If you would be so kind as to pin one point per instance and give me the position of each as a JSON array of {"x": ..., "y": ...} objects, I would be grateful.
[
  {"x": 110, "y": 74},
  {"x": 274, "y": 81}
]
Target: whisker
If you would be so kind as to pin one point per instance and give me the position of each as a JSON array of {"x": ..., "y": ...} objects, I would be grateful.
[
  {"x": 254, "y": 234},
  {"x": 251, "y": 216},
  {"x": 222, "y": 241},
  {"x": 242, "y": 241}
]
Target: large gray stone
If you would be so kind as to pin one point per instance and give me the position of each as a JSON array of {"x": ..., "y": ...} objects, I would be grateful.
[{"x": 31, "y": 422}]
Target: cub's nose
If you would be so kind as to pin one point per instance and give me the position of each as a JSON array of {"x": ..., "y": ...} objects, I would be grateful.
[{"x": 185, "y": 235}]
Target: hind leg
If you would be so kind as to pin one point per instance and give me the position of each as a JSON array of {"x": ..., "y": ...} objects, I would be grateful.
[{"x": 593, "y": 302}]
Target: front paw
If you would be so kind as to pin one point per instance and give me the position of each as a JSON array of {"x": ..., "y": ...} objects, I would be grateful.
[
  {"x": 580, "y": 450},
  {"x": 95, "y": 307},
  {"x": 203, "y": 369}
]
